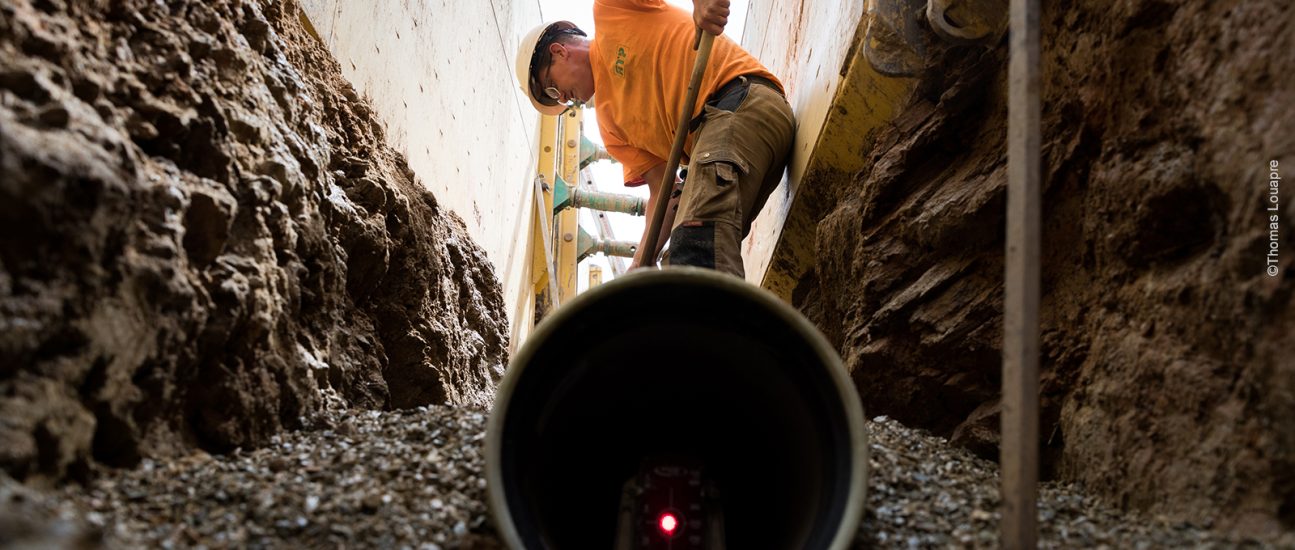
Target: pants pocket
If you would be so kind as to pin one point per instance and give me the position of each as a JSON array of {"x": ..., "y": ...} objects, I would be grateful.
[{"x": 712, "y": 192}]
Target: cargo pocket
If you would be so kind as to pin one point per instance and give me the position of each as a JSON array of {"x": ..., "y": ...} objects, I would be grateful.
[{"x": 713, "y": 191}]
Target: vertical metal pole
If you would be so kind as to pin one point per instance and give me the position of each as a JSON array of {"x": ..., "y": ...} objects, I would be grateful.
[
  {"x": 543, "y": 276},
  {"x": 543, "y": 221},
  {"x": 595, "y": 276},
  {"x": 1020, "y": 417},
  {"x": 604, "y": 225},
  {"x": 1019, "y": 453}
]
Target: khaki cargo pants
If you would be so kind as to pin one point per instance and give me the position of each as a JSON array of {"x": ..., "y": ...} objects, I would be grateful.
[{"x": 737, "y": 160}]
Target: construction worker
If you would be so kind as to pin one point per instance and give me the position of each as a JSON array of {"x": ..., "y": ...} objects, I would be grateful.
[{"x": 635, "y": 72}]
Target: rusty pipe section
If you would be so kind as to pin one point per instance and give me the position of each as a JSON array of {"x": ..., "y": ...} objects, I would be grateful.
[{"x": 686, "y": 363}]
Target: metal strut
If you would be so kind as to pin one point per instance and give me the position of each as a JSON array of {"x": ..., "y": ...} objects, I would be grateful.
[
  {"x": 547, "y": 236},
  {"x": 1019, "y": 454}
]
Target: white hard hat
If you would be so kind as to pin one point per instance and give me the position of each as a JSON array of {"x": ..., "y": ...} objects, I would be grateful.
[{"x": 526, "y": 55}]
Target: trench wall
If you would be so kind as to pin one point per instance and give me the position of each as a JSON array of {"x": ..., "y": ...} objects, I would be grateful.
[
  {"x": 806, "y": 43},
  {"x": 439, "y": 75}
]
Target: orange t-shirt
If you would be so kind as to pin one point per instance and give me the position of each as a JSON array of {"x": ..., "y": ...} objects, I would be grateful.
[{"x": 642, "y": 59}]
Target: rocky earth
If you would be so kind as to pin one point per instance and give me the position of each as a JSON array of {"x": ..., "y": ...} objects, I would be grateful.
[
  {"x": 204, "y": 242},
  {"x": 414, "y": 479},
  {"x": 1168, "y": 383},
  {"x": 200, "y": 228}
]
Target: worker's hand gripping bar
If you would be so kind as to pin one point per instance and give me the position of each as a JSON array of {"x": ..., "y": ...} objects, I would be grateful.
[{"x": 702, "y": 45}]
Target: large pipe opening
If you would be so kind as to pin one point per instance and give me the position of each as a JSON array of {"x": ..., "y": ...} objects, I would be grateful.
[{"x": 680, "y": 363}]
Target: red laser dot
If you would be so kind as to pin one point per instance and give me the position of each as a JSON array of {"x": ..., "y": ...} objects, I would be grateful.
[{"x": 668, "y": 523}]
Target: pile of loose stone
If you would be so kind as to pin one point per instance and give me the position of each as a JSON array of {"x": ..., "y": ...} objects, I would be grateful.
[
  {"x": 924, "y": 493},
  {"x": 414, "y": 479},
  {"x": 410, "y": 478}
]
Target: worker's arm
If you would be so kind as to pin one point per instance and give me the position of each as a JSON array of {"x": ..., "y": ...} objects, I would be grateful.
[
  {"x": 653, "y": 177},
  {"x": 710, "y": 15}
]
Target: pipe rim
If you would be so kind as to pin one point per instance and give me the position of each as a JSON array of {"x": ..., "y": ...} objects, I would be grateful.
[{"x": 852, "y": 516}]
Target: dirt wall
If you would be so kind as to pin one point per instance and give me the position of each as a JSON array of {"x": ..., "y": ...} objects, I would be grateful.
[
  {"x": 1167, "y": 380},
  {"x": 200, "y": 227}
]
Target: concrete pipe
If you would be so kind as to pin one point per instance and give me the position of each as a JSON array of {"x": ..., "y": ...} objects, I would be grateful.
[{"x": 691, "y": 365}]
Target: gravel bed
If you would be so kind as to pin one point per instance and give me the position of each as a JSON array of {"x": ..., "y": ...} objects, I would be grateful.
[
  {"x": 414, "y": 479},
  {"x": 925, "y": 493},
  {"x": 404, "y": 479}
]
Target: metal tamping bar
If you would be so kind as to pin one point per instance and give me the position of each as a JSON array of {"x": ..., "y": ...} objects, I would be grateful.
[
  {"x": 1019, "y": 454},
  {"x": 676, "y": 151}
]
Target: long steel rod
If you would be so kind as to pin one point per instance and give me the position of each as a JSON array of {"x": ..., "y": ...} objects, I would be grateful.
[
  {"x": 676, "y": 151},
  {"x": 543, "y": 213},
  {"x": 1020, "y": 417}
]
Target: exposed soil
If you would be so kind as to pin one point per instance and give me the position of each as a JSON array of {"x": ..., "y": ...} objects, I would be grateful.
[
  {"x": 205, "y": 241},
  {"x": 201, "y": 227},
  {"x": 1168, "y": 385}
]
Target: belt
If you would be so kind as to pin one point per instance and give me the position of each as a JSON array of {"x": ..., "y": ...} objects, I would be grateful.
[
  {"x": 739, "y": 83},
  {"x": 735, "y": 89}
]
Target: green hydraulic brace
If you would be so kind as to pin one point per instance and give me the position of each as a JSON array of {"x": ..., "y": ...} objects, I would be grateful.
[
  {"x": 587, "y": 245},
  {"x": 564, "y": 196},
  {"x": 591, "y": 152}
]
